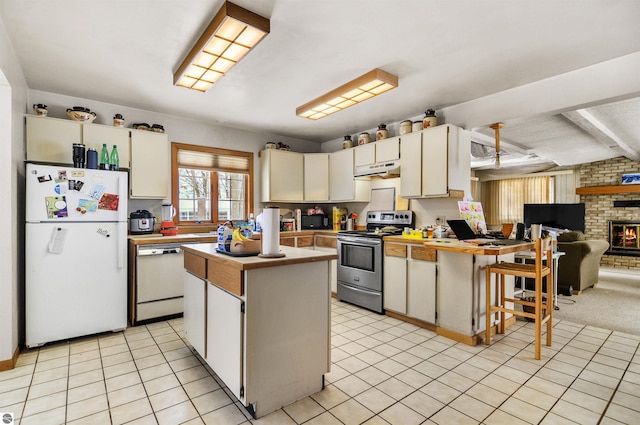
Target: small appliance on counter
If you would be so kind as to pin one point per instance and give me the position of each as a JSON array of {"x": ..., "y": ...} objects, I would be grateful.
[
  {"x": 168, "y": 227},
  {"x": 141, "y": 222},
  {"x": 314, "y": 221}
]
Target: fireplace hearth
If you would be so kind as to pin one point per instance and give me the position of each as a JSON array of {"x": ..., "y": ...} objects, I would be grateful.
[{"x": 623, "y": 237}]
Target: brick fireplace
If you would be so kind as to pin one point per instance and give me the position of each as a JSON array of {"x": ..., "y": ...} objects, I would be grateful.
[
  {"x": 623, "y": 237},
  {"x": 601, "y": 208}
]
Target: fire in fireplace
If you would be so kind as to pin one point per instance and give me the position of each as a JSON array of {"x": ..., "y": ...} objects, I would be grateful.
[{"x": 623, "y": 237}]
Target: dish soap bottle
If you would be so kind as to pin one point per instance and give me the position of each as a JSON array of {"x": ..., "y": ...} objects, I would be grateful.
[
  {"x": 114, "y": 159},
  {"x": 104, "y": 158}
]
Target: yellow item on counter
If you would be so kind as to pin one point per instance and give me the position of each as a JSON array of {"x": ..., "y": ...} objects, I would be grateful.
[{"x": 412, "y": 234}]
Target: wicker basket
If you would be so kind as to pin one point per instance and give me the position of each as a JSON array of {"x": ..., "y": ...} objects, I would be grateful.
[{"x": 531, "y": 310}]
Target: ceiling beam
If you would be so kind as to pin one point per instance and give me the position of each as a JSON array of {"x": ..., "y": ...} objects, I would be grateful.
[
  {"x": 505, "y": 144},
  {"x": 596, "y": 128}
]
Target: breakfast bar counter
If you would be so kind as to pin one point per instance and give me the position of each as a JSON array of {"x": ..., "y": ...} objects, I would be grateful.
[{"x": 262, "y": 324}]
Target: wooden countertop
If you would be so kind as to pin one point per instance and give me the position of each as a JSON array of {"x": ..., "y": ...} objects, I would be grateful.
[
  {"x": 158, "y": 238},
  {"x": 292, "y": 256},
  {"x": 401, "y": 239},
  {"x": 454, "y": 245}
]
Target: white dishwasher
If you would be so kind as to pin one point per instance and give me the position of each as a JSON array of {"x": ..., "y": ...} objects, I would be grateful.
[{"x": 159, "y": 291}]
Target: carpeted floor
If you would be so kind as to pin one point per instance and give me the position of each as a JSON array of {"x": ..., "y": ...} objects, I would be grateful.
[{"x": 613, "y": 304}]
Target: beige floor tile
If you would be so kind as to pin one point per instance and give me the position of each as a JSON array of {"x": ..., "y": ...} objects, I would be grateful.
[
  {"x": 49, "y": 387},
  {"x": 370, "y": 356},
  {"x": 304, "y": 409},
  {"x": 631, "y": 401},
  {"x": 141, "y": 343},
  {"x": 523, "y": 410},
  {"x": 472, "y": 407},
  {"x": 177, "y": 354},
  {"x": 210, "y": 401},
  {"x": 87, "y": 407},
  {"x": 163, "y": 383},
  {"x": 423, "y": 403},
  {"x": 193, "y": 374},
  {"x": 351, "y": 412},
  {"x": 119, "y": 369},
  {"x": 553, "y": 419},
  {"x": 201, "y": 386},
  {"x": 88, "y": 366},
  {"x": 391, "y": 367},
  {"x": 372, "y": 375},
  {"x": 336, "y": 374},
  {"x": 329, "y": 397},
  {"x": 471, "y": 372},
  {"x": 275, "y": 418},
  {"x": 599, "y": 378},
  {"x": 126, "y": 395},
  {"x": 171, "y": 345},
  {"x": 54, "y": 363},
  {"x": 169, "y": 398},
  {"x": 352, "y": 364},
  {"x": 535, "y": 397},
  {"x": 375, "y": 400},
  {"x": 230, "y": 415},
  {"x": 17, "y": 372},
  {"x": 545, "y": 386},
  {"x": 413, "y": 378},
  {"x": 449, "y": 415},
  {"x": 9, "y": 398},
  {"x": 623, "y": 414},
  {"x": 50, "y": 417},
  {"x": 42, "y": 404},
  {"x": 352, "y": 385},
  {"x": 130, "y": 411},
  {"x": 123, "y": 381},
  {"x": 155, "y": 372},
  {"x": 395, "y": 388},
  {"x": 456, "y": 381},
  {"x": 53, "y": 351},
  {"x": 95, "y": 419},
  {"x": 83, "y": 356},
  {"x": 440, "y": 391},
  {"x": 500, "y": 417},
  {"x": 85, "y": 378},
  {"x": 112, "y": 350},
  {"x": 487, "y": 395},
  {"x": 593, "y": 389},
  {"x": 586, "y": 401},
  {"x": 324, "y": 419},
  {"x": 145, "y": 352},
  {"x": 401, "y": 414},
  {"x": 50, "y": 375},
  {"x": 386, "y": 350},
  {"x": 184, "y": 363},
  {"x": 575, "y": 413},
  {"x": 86, "y": 391}
]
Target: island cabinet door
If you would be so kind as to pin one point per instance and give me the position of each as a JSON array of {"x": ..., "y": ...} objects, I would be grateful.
[
  {"x": 195, "y": 309},
  {"x": 225, "y": 322},
  {"x": 421, "y": 288}
]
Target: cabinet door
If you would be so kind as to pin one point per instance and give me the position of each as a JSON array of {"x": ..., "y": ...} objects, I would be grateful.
[
  {"x": 150, "y": 165},
  {"x": 282, "y": 176},
  {"x": 316, "y": 177},
  {"x": 341, "y": 175},
  {"x": 94, "y": 135},
  {"x": 421, "y": 282},
  {"x": 365, "y": 154},
  {"x": 388, "y": 149},
  {"x": 434, "y": 161},
  {"x": 333, "y": 268},
  {"x": 195, "y": 302},
  {"x": 395, "y": 278},
  {"x": 411, "y": 172},
  {"x": 51, "y": 139},
  {"x": 225, "y": 335}
]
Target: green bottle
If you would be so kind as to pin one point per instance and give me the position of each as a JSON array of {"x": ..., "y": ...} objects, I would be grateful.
[
  {"x": 103, "y": 164},
  {"x": 114, "y": 160}
]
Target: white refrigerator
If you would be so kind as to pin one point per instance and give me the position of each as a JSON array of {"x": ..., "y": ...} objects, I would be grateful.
[{"x": 75, "y": 252}]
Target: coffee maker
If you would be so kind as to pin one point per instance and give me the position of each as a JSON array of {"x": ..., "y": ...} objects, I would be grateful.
[{"x": 168, "y": 227}]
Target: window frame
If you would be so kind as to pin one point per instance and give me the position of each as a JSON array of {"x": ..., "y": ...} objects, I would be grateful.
[{"x": 175, "y": 194}]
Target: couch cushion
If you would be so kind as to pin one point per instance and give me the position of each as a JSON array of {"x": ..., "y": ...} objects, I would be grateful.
[{"x": 571, "y": 236}]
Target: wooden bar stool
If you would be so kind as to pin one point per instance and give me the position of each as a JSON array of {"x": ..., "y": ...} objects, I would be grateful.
[{"x": 536, "y": 271}]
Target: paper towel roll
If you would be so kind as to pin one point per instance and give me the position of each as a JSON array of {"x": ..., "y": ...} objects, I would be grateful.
[{"x": 271, "y": 232}]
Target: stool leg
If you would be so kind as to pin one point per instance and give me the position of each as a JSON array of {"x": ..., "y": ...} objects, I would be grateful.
[
  {"x": 502, "y": 304},
  {"x": 549, "y": 308},
  {"x": 538, "y": 314},
  {"x": 488, "y": 314}
]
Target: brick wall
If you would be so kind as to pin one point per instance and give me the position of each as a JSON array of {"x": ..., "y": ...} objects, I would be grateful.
[{"x": 600, "y": 209}]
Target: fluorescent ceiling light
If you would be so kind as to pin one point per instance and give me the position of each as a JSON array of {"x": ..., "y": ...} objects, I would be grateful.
[
  {"x": 232, "y": 33},
  {"x": 362, "y": 88}
]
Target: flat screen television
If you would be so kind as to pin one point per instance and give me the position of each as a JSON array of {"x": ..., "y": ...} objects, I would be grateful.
[{"x": 560, "y": 216}]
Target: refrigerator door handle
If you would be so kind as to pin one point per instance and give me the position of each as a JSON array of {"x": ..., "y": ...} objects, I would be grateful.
[
  {"x": 122, "y": 190},
  {"x": 122, "y": 246}
]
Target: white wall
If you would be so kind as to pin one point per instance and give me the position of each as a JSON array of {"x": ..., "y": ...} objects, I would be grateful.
[{"x": 13, "y": 95}]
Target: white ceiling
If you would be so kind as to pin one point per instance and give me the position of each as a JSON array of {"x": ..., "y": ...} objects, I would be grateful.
[{"x": 529, "y": 64}]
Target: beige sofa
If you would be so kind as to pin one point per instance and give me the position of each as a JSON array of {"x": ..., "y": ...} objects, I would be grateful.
[{"x": 578, "y": 268}]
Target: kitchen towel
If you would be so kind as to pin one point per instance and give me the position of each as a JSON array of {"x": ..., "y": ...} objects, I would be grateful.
[{"x": 271, "y": 232}]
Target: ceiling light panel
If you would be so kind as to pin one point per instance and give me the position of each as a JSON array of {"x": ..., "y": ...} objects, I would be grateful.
[
  {"x": 362, "y": 88},
  {"x": 232, "y": 33}
]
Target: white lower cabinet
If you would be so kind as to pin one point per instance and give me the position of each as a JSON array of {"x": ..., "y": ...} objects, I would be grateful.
[
  {"x": 395, "y": 277},
  {"x": 421, "y": 290},
  {"x": 225, "y": 324},
  {"x": 195, "y": 307}
]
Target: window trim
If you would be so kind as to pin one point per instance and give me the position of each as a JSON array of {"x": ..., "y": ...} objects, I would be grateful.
[{"x": 175, "y": 147}]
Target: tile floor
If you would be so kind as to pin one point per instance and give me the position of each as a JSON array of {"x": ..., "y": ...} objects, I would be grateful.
[{"x": 384, "y": 372}]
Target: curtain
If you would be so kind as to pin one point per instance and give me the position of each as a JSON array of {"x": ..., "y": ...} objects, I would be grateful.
[{"x": 503, "y": 200}]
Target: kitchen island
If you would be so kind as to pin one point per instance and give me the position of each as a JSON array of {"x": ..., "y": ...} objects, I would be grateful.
[
  {"x": 462, "y": 285},
  {"x": 262, "y": 324}
]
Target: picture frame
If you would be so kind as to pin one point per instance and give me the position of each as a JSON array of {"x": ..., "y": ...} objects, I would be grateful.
[{"x": 631, "y": 178}]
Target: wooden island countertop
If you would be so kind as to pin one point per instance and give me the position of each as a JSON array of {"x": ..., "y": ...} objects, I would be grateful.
[{"x": 454, "y": 245}]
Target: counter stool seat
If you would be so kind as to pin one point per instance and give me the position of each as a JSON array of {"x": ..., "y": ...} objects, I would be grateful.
[{"x": 536, "y": 271}]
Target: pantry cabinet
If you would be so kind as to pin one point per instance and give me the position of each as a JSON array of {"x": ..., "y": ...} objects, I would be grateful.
[
  {"x": 316, "y": 177},
  {"x": 281, "y": 176},
  {"x": 435, "y": 163},
  {"x": 395, "y": 277},
  {"x": 150, "y": 165},
  {"x": 343, "y": 187}
]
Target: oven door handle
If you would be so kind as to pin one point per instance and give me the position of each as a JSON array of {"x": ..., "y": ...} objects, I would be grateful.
[{"x": 360, "y": 240}]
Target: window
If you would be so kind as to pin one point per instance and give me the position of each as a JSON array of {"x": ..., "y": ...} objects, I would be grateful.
[
  {"x": 503, "y": 200},
  {"x": 211, "y": 185}
]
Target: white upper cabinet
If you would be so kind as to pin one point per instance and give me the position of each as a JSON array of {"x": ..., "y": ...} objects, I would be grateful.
[
  {"x": 94, "y": 135},
  {"x": 388, "y": 149},
  {"x": 341, "y": 175},
  {"x": 149, "y": 174},
  {"x": 51, "y": 139},
  {"x": 435, "y": 163},
  {"x": 364, "y": 154},
  {"x": 281, "y": 176},
  {"x": 316, "y": 177}
]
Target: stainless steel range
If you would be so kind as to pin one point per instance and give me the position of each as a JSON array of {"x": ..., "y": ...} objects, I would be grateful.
[{"x": 360, "y": 252}]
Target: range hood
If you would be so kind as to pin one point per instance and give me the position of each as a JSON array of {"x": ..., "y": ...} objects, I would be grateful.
[{"x": 386, "y": 169}]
